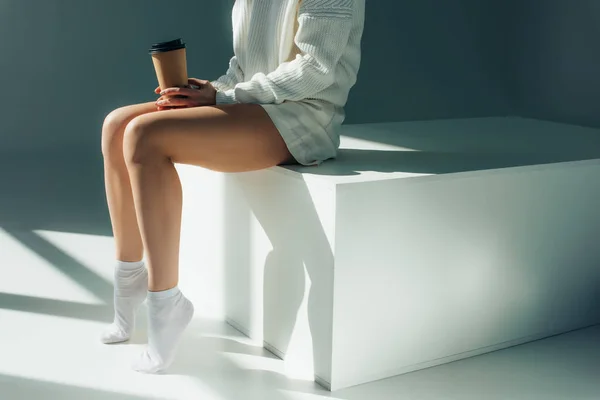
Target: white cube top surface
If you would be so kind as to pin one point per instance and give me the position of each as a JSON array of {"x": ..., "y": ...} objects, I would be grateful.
[{"x": 372, "y": 152}]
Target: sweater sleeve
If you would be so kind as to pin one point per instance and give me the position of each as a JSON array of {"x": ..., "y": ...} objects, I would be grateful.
[
  {"x": 232, "y": 77},
  {"x": 324, "y": 28}
]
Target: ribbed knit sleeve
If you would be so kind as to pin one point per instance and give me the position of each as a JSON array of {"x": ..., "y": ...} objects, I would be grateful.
[
  {"x": 232, "y": 77},
  {"x": 322, "y": 37}
]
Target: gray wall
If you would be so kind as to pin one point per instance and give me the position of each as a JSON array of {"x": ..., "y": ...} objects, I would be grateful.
[
  {"x": 66, "y": 69},
  {"x": 430, "y": 59},
  {"x": 69, "y": 62},
  {"x": 558, "y": 60},
  {"x": 421, "y": 60}
]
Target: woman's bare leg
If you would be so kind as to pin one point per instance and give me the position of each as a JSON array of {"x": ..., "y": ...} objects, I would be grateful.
[
  {"x": 231, "y": 138},
  {"x": 130, "y": 275},
  {"x": 118, "y": 187},
  {"x": 227, "y": 138}
]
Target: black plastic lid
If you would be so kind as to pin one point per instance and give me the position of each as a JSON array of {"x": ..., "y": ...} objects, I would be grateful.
[{"x": 167, "y": 46}]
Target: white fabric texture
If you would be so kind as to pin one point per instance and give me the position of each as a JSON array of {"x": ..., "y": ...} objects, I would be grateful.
[
  {"x": 169, "y": 313},
  {"x": 298, "y": 59},
  {"x": 131, "y": 286}
]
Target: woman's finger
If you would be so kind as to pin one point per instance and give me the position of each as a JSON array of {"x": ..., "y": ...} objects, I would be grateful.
[
  {"x": 157, "y": 90},
  {"x": 197, "y": 82},
  {"x": 176, "y": 102},
  {"x": 160, "y": 108},
  {"x": 178, "y": 92}
]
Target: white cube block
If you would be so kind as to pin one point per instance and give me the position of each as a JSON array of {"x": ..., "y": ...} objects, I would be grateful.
[{"x": 424, "y": 243}]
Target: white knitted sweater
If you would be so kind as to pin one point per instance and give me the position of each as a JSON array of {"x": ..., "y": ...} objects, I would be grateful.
[
  {"x": 299, "y": 59},
  {"x": 271, "y": 66}
]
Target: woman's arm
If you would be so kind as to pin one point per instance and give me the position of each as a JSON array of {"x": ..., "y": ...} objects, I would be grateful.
[
  {"x": 323, "y": 33},
  {"x": 232, "y": 77}
]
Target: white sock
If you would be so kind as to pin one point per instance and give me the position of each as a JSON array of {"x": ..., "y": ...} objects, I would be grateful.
[
  {"x": 131, "y": 286},
  {"x": 169, "y": 313}
]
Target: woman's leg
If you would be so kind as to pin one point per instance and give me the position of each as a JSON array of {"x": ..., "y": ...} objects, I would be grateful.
[
  {"x": 130, "y": 274},
  {"x": 118, "y": 187},
  {"x": 231, "y": 138}
]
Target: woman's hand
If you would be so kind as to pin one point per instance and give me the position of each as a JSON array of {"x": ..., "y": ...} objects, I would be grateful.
[{"x": 198, "y": 93}]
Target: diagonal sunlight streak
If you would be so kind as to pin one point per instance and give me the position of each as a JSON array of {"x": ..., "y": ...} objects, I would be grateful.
[
  {"x": 57, "y": 308},
  {"x": 62, "y": 261}
]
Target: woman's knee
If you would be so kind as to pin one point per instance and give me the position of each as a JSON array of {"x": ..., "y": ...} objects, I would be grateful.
[
  {"x": 114, "y": 126},
  {"x": 112, "y": 132},
  {"x": 141, "y": 140}
]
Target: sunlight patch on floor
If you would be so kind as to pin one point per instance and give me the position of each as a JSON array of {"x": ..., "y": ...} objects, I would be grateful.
[
  {"x": 55, "y": 293},
  {"x": 94, "y": 252},
  {"x": 27, "y": 273},
  {"x": 67, "y": 352}
]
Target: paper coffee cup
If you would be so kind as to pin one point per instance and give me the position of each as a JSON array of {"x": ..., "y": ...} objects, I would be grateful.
[{"x": 170, "y": 63}]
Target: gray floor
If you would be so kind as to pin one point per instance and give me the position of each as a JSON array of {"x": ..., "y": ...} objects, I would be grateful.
[{"x": 55, "y": 294}]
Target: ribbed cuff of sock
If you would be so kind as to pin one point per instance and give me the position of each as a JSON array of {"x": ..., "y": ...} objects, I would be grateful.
[
  {"x": 129, "y": 266},
  {"x": 163, "y": 294}
]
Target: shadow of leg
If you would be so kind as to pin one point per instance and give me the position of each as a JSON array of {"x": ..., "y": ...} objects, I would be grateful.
[
  {"x": 284, "y": 289},
  {"x": 239, "y": 291},
  {"x": 286, "y": 211}
]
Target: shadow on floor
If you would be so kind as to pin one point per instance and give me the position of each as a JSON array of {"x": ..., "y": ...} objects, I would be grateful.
[
  {"x": 219, "y": 358},
  {"x": 66, "y": 264},
  {"x": 204, "y": 355},
  {"x": 58, "y": 308},
  {"x": 14, "y": 387},
  {"x": 235, "y": 369},
  {"x": 71, "y": 268}
]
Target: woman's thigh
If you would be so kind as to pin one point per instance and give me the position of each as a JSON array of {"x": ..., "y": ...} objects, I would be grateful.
[{"x": 227, "y": 138}]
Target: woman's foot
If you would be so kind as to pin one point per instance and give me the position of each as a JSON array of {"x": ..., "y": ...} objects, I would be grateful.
[
  {"x": 131, "y": 286},
  {"x": 169, "y": 313}
]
